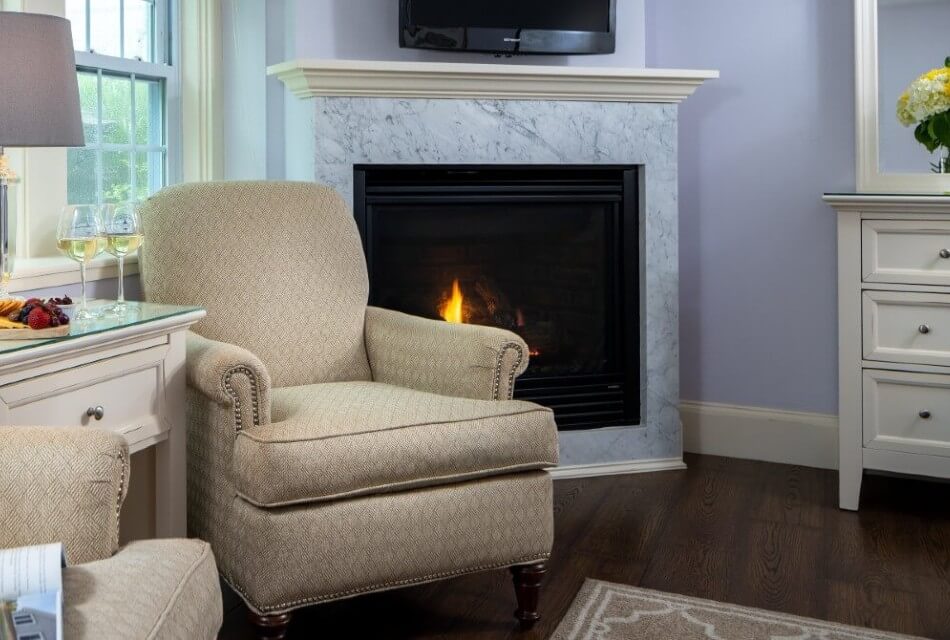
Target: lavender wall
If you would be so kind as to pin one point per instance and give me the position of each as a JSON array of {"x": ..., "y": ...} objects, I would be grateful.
[{"x": 757, "y": 149}]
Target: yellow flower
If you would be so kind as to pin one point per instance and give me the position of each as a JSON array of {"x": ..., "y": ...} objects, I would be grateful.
[{"x": 926, "y": 96}]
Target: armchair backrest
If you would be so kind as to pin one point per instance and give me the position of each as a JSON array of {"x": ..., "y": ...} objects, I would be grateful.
[{"x": 278, "y": 265}]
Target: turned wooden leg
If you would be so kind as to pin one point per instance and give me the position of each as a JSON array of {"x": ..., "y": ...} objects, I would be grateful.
[
  {"x": 272, "y": 627},
  {"x": 527, "y": 579}
]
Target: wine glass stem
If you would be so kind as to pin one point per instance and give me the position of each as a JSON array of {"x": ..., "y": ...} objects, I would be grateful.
[
  {"x": 121, "y": 297},
  {"x": 82, "y": 278}
]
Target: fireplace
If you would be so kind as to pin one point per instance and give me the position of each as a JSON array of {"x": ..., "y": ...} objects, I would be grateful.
[{"x": 549, "y": 252}]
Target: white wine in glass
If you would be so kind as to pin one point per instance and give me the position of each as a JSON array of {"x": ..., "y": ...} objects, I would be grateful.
[
  {"x": 123, "y": 238},
  {"x": 81, "y": 237}
]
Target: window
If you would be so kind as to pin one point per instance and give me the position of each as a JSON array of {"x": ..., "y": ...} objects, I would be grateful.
[{"x": 125, "y": 77}]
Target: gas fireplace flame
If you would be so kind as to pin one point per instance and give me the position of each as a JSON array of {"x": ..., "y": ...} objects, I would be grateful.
[{"x": 451, "y": 308}]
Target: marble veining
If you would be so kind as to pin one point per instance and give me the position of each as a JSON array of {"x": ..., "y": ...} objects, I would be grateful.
[{"x": 351, "y": 131}]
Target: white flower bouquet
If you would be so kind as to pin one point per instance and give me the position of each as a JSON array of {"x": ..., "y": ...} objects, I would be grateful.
[{"x": 926, "y": 103}]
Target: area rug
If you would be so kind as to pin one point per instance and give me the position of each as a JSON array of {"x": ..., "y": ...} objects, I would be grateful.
[{"x": 607, "y": 611}]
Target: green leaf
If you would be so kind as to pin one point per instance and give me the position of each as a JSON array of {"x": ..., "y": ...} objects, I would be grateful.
[
  {"x": 924, "y": 137},
  {"x": 946, "y": 62},
  {"x": 940, "y": 128}
]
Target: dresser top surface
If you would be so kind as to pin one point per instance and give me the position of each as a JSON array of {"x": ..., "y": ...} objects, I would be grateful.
[
  {"x": 890, "y": 202},
  {"x": 138, "y": 314}
]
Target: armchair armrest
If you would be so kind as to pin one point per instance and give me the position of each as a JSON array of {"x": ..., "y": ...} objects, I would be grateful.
[
  {"x": 467, "y": 361},
  {"x": 231, "y": 376},
  {"x": 62, "y": 485}
]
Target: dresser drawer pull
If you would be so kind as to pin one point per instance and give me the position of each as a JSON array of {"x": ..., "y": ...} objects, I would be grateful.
[
  {"x": 924, "y": 329},
  {"x": 96, "y": 412},
  {"x": 945, "y": 254},
  {"x": 924, "y": 414}
]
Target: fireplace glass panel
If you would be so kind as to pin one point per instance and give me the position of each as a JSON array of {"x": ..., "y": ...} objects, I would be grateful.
[
  {"x": 545, "y": 254},
  {"x": 541, "y": 272}
]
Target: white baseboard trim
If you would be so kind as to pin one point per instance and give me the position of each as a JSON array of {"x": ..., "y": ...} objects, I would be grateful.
[
  {"x": 616, "y": 468},
  {"x": 789, "y": 437}
]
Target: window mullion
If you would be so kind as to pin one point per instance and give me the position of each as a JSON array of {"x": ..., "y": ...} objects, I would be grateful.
[
  {"x": 132, "y": 155},
  {"x": 88, "y": 25},
  {"x": 121, "y": 28},
  {"x": 100, "y": 166}
]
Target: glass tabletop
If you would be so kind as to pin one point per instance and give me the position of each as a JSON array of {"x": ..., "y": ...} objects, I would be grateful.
[{"x": 136, "y": 314}]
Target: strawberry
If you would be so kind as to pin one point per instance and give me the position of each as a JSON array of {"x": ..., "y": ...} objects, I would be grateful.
[{"x": 38, "y": 318}]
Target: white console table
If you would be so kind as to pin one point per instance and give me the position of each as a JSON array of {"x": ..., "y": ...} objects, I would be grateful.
[
  {"x": 893, "y": 336},
  {"x": 124, "y": 375}
]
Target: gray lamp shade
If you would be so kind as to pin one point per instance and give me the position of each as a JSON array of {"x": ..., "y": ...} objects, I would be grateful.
[{"x": 39, "y": 95}]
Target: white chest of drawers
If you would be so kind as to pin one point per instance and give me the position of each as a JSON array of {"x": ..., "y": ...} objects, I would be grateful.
[
  {"x": 893, "y": 337},
  {"x": 126, "y": 376}
]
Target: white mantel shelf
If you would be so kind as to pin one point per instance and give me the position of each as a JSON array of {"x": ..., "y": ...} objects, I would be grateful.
[{"x": 362, "y": 78}]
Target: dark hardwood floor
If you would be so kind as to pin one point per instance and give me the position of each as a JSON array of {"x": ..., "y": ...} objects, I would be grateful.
[{"x": 750, "y": 533}]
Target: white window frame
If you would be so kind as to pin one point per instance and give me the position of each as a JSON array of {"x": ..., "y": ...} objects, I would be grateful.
[
  {"x": 39, "y": 198},
  {"x": 165, "y": 70}
]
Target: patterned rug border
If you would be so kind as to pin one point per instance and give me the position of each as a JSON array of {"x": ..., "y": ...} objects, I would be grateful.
[{"x": 577, "y": 620}]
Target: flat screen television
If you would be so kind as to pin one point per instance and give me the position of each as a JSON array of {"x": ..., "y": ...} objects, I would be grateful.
[{"x": 509, "y": 26}]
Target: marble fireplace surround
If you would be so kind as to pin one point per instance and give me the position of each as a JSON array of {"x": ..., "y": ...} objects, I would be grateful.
[{"x": 359, "y": 112}]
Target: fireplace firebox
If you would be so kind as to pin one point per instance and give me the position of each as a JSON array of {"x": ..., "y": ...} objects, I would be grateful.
[{"x": 549, "y": 252}]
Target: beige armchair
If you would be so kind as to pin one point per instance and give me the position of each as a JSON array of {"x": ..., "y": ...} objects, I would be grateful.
[
  {"x": 67, "y": 485},
  {"x": 337, "y": 449}
]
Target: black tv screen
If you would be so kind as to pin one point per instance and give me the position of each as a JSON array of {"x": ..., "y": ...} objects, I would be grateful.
[{"x": 510, "y": 26}]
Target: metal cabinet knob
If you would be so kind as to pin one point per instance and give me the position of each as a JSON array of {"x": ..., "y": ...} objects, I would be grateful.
[
  {"x": 96, "y": 412},
  {"x": 924, "y": 329},
  {"x": 945, "y": 254},
  {"x": 924, "y": 414}
]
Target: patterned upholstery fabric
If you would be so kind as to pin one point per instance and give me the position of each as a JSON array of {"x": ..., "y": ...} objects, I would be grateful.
[
  {"x": 278, "y": 266},
  {"x": 231, "y": 376},
  {"x": 162, "y": 589},
  {"x": 467, "y": 361},
  {"x": 282, "y": 559},
  {"x": 342, "y": 439},
  {"x": 62, "y": 485},
  {"x": 67, "y": 485}
]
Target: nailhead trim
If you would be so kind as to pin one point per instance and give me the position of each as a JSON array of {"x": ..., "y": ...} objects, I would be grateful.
[
  {"x": 124, "y": 463},
  {"x": 229, "y": 389},
  {"x": 295, "y": 604},
  {"x": 496, "y": 387}
]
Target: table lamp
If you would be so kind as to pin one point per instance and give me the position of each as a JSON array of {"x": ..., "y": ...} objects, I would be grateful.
[{"x": 39, "y": 98}]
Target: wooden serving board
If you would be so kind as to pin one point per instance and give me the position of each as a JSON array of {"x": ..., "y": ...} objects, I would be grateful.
[{"x": 34, "y": 334}]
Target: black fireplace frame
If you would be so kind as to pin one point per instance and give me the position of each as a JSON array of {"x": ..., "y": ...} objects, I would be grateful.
[{"x": 614, "y": 399}]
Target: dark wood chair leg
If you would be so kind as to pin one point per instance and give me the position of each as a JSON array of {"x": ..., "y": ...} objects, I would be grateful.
[
  {"x": 527, "y": 579},
  {"x": 270, "y": 627}
]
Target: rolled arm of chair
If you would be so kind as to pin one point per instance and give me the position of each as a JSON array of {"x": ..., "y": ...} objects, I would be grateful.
[
  {"x": 462, "y": 360},
  {"x": 62, "y": 485},
  {"x": 232, "y": 376}
]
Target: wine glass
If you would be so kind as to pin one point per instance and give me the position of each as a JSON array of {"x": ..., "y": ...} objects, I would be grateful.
[
  {"x": 124, "y": 236},
  {"x": 81, "y": 236}
]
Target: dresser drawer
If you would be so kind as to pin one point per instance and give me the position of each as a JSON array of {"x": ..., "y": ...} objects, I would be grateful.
[
  {"x": 907, "y": 327},
  {"x": 906, "y": 251},
  {"x": 128, "y": 389},
  {"x": 907, "y": 412}
]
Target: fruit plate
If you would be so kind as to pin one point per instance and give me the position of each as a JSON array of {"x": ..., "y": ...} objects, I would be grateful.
[{"x": 34, "y": 334}]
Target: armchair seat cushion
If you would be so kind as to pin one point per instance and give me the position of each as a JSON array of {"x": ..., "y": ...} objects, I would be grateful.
[
  {"x": 151, "y": 589},
  {"x": 335, "y": 440}
]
